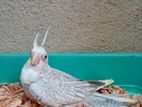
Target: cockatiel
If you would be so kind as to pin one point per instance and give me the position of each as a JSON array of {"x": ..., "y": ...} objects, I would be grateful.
[{"x": 51, "y": 87}]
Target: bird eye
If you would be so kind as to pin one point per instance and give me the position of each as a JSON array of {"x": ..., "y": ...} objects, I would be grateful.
[
  {"x": 45, "y": 56},
  {"x": 31, "y": 54}
]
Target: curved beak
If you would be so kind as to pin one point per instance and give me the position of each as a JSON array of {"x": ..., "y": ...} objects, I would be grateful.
[{"x": 35, "y": 60}]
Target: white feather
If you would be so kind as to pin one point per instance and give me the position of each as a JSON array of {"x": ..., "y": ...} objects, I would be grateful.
[{"x": 29, "y": 76}]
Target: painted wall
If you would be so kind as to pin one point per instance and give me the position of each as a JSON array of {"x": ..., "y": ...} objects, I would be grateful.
[{"x": 77, "y": 25}]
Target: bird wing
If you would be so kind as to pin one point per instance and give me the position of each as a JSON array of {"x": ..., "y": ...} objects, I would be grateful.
[{"x": 58, "y": 88}]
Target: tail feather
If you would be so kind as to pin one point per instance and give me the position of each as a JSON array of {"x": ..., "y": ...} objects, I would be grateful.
[
  {"x": 122, "y": 100},
  {"x": 105, "y": 100},
  {"x": 100, "y": 83},
  {"x": 100, "y": 100}
]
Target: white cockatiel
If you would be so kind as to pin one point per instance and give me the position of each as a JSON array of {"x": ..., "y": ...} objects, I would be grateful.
[{"x": 54, "y": 88}]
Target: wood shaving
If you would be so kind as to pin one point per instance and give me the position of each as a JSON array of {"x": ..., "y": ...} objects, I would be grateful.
[
  {"x": 12, "y": 95},
  {"x": 121, "y": 92}
]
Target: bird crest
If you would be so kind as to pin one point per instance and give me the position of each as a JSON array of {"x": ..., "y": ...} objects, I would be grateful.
[{"x": 35, "y": 43}]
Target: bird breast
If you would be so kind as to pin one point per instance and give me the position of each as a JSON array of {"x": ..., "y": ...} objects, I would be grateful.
[{"x": 29, "y": 76}]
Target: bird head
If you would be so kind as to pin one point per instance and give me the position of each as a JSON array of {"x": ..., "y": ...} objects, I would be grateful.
[{"x": 38, "y": 53}]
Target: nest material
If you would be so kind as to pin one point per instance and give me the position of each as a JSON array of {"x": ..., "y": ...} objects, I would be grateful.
[
  {"x": 121, "y": 92},
  {"x": 12, "y": 95}
]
